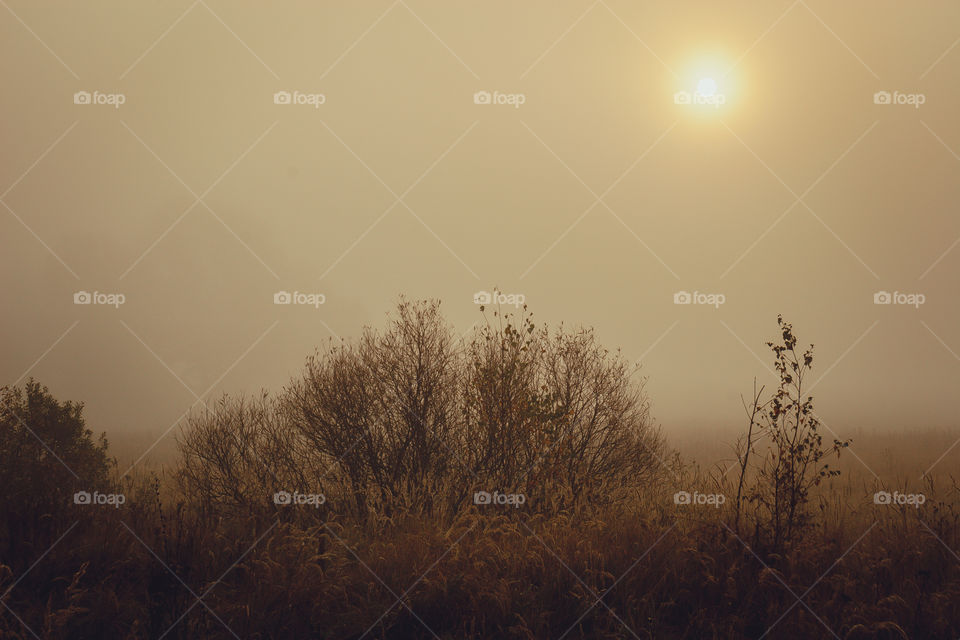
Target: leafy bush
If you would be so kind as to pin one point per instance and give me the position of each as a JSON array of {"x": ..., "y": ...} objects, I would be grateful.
[{"x": 47, "y": 455}]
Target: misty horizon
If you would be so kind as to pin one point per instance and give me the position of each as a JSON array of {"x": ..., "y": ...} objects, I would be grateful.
[{"x": 597, "y": 196}]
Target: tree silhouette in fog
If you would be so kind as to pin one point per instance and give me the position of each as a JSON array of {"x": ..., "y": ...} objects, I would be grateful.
[
  {"x": 47, "y": 454},
  {"x": 414, "y": 416}
]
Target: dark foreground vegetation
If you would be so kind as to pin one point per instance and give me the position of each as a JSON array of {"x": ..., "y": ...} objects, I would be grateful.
[{"x": 509, "y": 485}]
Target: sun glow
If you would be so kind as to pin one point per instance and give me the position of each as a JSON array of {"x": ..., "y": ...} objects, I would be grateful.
[
  {"x": 707, "y": 87},
  {"x": 706, "y": 84}
]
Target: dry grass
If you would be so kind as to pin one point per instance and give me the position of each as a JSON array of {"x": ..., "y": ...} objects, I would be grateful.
[
  {"x": 600, "y": 549},
  {"x": 663, "y": 571}
]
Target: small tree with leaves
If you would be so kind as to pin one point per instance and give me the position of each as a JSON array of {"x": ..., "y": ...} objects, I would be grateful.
[
  {"x": 47, "y": 453},
  {"x": 794, "y": 461}
]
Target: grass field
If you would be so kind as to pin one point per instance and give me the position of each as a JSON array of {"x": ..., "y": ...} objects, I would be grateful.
[{"x": 511, "y": 487}]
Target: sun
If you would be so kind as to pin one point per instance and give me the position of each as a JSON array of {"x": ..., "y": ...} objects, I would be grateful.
[{"x": 705, "y": 84}]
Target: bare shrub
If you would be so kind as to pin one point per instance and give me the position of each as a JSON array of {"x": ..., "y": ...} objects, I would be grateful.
[
  {"x": 413, "y": 416},
  {"x": 237, "y": 453},
  {"x": 555, "y": 412},
  {"x": 382, "y": 412},
  {"x": 507, "y": 419}
]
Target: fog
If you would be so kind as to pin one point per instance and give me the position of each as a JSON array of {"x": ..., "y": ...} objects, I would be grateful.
[{"x": 583, "y": 186}]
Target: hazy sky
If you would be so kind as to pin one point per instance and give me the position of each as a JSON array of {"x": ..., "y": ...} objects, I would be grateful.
[{"x": 589, "y": 190}]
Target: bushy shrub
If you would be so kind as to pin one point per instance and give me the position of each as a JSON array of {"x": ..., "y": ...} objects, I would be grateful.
[
  {"x": 48, "y": 454},
  {"x": 415, "y": 417}
]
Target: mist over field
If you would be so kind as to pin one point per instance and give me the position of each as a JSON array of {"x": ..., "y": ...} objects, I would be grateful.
[{"x": 410, "y": 318}]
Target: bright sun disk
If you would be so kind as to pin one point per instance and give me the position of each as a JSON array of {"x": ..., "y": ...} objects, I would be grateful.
[{"x": 707, "y": 86}]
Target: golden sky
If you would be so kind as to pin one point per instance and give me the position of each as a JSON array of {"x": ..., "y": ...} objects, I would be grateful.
[{"x": 817, "y": 167}]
